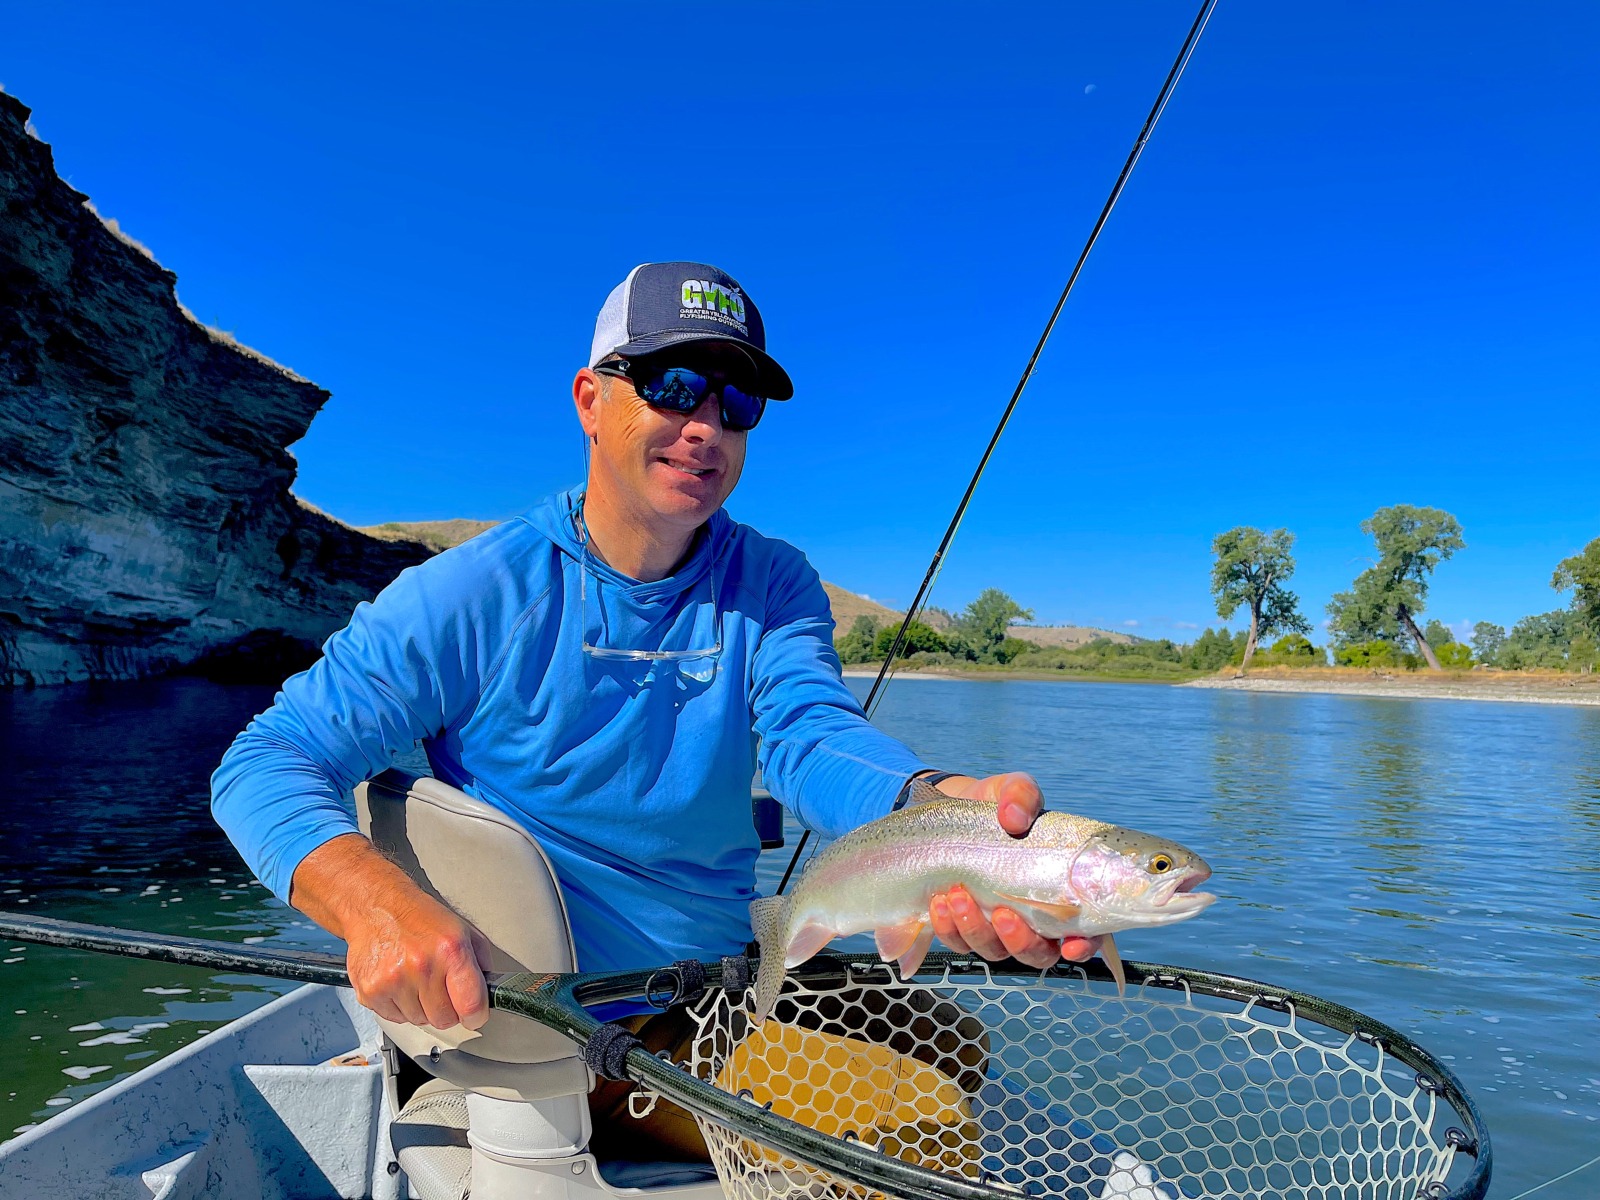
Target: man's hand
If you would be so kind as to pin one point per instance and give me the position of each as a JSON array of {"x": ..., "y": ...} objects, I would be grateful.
[
  {"x": 410, "y": 958},
  {"x": 958, "y": 921}
]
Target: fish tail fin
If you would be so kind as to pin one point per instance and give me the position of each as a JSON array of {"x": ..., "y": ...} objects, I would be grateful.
[
  {"x": 769, "y": 919},
  {"x": 1113, "y": 961}
]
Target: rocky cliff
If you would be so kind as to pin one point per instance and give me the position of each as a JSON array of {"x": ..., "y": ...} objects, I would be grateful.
[{"x": 146, "y": 522}]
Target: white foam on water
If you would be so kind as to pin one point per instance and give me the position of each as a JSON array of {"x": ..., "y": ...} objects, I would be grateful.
[
  {"x": 115, "y": 1038},
  {"x": 89, "y": 1028},
  {"x": 216, "y": 881},
  {"x": 147, "y": 1026},
  {"x": 84, "y": 1072},
  {"x": 9, "y": 961},
  {"x": 57, "y": 1101},
  {"x": 168, "y": 991},
  {"x": 25, "y": 1128},
  {"x": 253, "y": 941}
]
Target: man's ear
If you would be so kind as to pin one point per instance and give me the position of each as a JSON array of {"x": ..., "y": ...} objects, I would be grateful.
[{"x": 587, "y": 393}]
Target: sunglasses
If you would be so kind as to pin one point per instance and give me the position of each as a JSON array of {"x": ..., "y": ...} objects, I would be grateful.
[{"x": 681, "y": 389}]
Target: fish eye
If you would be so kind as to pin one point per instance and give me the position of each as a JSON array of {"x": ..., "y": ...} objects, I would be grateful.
[{"x": 1161, "y": 864}]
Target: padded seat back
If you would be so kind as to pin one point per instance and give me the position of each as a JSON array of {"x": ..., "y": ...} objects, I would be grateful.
[{"x": 489, "y": 869}]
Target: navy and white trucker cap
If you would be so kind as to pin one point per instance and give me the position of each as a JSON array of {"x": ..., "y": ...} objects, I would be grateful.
[{"x": 667, "y": 304}]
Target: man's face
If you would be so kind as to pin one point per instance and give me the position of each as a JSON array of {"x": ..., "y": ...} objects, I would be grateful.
[{"x": 677, "y": 467}]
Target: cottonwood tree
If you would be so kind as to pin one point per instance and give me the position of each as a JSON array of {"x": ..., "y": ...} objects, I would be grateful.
[
  {"x": 1487, "y": 641},
  {"x": 1580, "y": 575},
  {"x": 1249, "y": 572},
  {"x": 981, "y": 631},
  {"x": 1387, "y": 596}
]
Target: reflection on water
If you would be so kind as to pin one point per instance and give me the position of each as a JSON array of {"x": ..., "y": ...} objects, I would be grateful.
[
  {"x": 106, "y": 819},
  {"x": 1434, "y": 864}
]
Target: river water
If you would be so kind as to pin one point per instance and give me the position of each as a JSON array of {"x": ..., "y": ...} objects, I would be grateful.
[{"x": 1435, "y": 864}]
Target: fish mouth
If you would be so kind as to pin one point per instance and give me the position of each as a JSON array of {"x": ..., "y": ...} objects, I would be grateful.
[{"x": 1178, "y": 899}]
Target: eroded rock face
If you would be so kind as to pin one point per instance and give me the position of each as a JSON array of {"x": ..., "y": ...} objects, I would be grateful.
[{"x": 146, "y": 522}]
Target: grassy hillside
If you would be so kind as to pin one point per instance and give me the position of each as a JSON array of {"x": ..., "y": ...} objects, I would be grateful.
[
  {"x": 438, "y": 535},
  {"x": 847, "y": 606},
  {"x": 1069, "y": 636}
]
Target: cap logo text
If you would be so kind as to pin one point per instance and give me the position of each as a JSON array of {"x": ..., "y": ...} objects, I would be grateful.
[{"x": 711, "y": 297}]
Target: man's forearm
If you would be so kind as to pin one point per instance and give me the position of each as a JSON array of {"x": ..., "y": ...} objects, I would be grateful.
[
  {"x": 348, "y": 875},
  {"x": 410, "y": 957}
]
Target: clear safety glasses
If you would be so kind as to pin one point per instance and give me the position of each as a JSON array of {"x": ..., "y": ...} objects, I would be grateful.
[{"x": 699, "y": 664}]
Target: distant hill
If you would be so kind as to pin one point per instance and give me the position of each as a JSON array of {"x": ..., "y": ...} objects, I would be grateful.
[
  {"x": 847, "y": 606},
  {"x": 436, "y": 535},
  {"x": 1069, "y": 635}
]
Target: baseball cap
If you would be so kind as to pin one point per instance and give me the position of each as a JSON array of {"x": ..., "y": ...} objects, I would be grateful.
[{"x": 660, "y": 305}]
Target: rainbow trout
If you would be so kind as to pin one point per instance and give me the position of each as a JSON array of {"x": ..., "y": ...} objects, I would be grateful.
[{"x": 1069, "y": 876}]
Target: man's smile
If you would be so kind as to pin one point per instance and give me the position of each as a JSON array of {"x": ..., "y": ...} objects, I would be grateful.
[{"x": 687, "y": 466}]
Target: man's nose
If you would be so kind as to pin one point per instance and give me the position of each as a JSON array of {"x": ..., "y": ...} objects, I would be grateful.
[{"x": 705, "y": 422}]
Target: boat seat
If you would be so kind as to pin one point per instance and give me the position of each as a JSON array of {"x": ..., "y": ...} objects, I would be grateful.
[
  {"x": 514, "y": 1092},
  {"x": 506, "y": 1112},
  {"x": 430, "y": 1141},
  {"x": 482, "y": 864}
]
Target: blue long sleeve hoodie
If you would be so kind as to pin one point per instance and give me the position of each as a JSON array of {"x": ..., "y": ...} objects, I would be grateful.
[{"x": 633, "y": 776}]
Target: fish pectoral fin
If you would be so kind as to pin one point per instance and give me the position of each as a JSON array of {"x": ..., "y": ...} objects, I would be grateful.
[
  {"x": 805, "y": 943},
  {"x": 1021, "y": 905},
  {"x": 1113, "y": 961},
  {"x": 895, "y": 940},
  {"x": 911, "y": 960}
]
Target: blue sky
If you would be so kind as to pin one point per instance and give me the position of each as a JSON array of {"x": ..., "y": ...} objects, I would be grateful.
[{"x": 1356, "y": 266}]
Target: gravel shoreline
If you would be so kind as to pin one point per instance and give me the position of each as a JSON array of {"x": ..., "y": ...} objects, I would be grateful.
[{"x": 1583, "y": 690}]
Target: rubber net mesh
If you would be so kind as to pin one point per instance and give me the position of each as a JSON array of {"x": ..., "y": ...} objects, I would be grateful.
[{"x": 1057, "y": 1087}]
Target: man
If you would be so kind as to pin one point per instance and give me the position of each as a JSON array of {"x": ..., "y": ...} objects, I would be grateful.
[{"x": 600, "y": 669}]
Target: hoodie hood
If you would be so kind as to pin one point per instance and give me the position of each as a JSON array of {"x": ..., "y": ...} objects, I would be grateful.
[{"x": 556, "y": 518}]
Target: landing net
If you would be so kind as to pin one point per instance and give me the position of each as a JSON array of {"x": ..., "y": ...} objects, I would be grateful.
[{"x": 1053, "y": 1086}]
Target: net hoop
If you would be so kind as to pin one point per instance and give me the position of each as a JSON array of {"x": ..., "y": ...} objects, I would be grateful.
[
  {"x": 836, "y": 1163},
  {"x": 763, "y": 1154}
]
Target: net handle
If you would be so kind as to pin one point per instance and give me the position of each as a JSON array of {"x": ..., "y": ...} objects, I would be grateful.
[{"x": 557, "y": 1002}]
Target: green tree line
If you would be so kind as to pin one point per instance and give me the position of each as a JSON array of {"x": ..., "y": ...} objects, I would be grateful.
[
  {"x": 1372, "y": 624},
  {"x": 1375, "y": 622}
]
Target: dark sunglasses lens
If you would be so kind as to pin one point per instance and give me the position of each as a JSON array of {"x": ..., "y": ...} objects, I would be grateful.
[
  {"x": 676, "y": 388},
  {"x": 740, "y": 410}
]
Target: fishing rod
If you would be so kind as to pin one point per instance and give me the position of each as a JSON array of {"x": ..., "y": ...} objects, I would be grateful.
[{"x": 875, "y": 694}]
